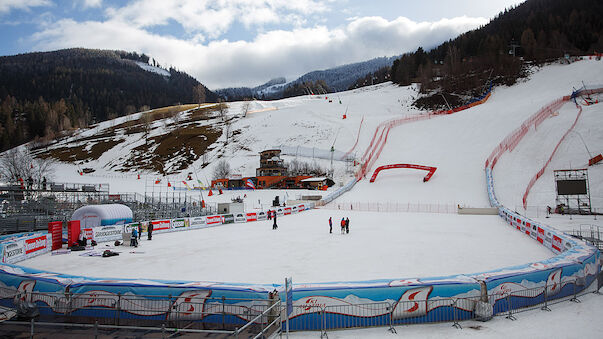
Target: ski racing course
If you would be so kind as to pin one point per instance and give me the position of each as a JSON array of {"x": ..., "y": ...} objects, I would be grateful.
[{"x": 353, "y": 300}]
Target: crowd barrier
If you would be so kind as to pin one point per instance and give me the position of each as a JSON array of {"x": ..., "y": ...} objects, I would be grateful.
[
  {"x": 330, "y": 304},
  {"x": 541, "y": 171},
  {"x": 393, "y": 206}
]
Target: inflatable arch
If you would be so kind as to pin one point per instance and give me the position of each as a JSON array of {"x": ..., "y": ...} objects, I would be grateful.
[
  {"x": 431, "y": 170},
  {"x": 103, "y": 215}
]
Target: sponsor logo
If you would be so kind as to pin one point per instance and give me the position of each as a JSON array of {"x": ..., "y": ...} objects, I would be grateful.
[
  {"x": 160, "y": 225},
  {"x": 178, "y": 223},
  {"x": 107, "y": 232},
  {"x": 35, "y": 244},
  {"x": 12, "y": 250},
  {"x": 197, "y": 221},
  {"x": 313, "y": 303}
]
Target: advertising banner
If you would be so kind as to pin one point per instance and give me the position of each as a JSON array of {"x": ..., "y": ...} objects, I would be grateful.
[
  {"x": 213, "y": 220},
  {"x": 180, "y": 223},
  {"x": 88, "y": 233},
  {"x": 240, "y": 218},
  {"x": 197, "y": 222},
  {"x": 227, "y": 219},
  {"x": 35, "y": 244},
  {"x": 287, "y": 210},
  {"x": 107, "y": 233},
  {"x": 13, "y": 251},
  {"x": 161, "y": 225},
  {"x": 252, "y": 216},
  {"x": 55, "y": 229}
]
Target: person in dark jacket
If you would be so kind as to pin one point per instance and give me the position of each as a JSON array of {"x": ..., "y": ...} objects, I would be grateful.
[
  {"x": 150, "y": 231},
  {"x": 139, "y": 230},
  {"x": 330, "y": 225},
  {"x": 347, "y": 225},
  {"x": 274, "y": 226}
]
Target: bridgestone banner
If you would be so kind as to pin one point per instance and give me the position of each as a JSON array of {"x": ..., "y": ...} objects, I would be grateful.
[
  {"x": 107, "y": 233},
  {"x": 13, "y": 252}
]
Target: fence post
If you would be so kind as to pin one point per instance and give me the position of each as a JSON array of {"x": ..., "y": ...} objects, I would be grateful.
[
  {"x": 223, "y": 311},
  {"x": 545, "y": 294},
  {"x": 390, "y": 309},
  {"x": 31, "y": 328},
  {"x": 455, "y": 315},
  {"x": 509, "y": 308},
  {"x": 323, "y": 324},
  {"x": 118, "y": 307},
  {"x": 96, "y": 329},
  {"x": 575, "y": 297}
]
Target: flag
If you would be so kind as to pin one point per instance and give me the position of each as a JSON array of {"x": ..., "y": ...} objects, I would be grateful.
[
  {"x": 210, "y": 193},
  {"x": 250, "y": 184},
  {"x": 157, "y": 181},
  {"x": 185, "y": 184},
  {"x": 220, "y": 190},
  {"x": 169, "y": 185}
]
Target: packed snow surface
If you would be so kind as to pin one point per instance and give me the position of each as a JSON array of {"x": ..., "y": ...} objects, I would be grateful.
[{"x": 379, "y": 245}]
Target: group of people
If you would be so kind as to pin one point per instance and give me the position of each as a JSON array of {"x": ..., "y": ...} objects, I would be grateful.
[
  {"x": 137, "y": 234},
  {"x": 345, "y": 225}
]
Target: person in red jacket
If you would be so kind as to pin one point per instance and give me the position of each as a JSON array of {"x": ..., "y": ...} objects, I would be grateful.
[{"x": 342, "y": 225}]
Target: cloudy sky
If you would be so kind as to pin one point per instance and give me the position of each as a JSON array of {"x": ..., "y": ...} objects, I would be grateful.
[{"x": 227, "y": 43}]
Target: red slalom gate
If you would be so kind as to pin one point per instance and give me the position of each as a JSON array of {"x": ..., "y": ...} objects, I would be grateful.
[{"x": 430, "y": 169}]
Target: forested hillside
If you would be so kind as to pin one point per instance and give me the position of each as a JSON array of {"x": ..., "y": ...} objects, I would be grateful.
[
  {"x": 330, "y": 80},
  {"x": 535, "y": 31},
  {"x": 42, "y": 94}
]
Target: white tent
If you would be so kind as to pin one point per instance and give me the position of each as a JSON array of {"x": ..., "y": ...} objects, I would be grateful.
[{"x": 102, "y": 215}]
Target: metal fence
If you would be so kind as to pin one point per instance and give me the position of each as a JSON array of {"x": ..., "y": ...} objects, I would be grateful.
[
  {"x": 592, "y": 234},
  {"x": 542, "y": 212},
  {"x": 238, "y": 317},
  {"x": 393, "y": 207},
  {"x": 263, "y": 317}
]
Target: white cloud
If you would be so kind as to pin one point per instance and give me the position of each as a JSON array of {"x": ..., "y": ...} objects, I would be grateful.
[
  {"x": 92, "y": 3},
  {"x": 8, "y": 5},
  {"x": 222, "y": 63},
  {"x": 214, "y": 17}
]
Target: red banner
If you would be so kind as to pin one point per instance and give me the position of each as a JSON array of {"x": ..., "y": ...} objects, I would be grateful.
[
  {"x": 557, "y": 243},
  {"x": 55, "y": 229},
  {"x": 213, "y": 219},
  {"x": 252, "y": 216},
  {"x": 35, "y": 244},
  {"x": 159, "y": 225}
]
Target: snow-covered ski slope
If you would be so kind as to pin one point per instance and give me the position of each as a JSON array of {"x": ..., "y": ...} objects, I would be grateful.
[{"x": 456, "y": 144}]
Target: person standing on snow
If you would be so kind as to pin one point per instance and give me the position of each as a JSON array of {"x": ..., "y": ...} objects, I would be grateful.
[
  {"x": 342, "y": 225},
  {"x": 274, "y": 226},
  {"x": 347, "y": 225},
  {"x": 150, "y": 231},
  {"x": 330, "y": 225}
]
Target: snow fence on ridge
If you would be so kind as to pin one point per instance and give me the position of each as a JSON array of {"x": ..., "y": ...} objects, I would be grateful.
[{"x": 328, "y": 305}]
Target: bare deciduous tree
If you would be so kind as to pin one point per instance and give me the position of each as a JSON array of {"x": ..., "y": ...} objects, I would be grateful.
[
  {"x": 199, "y": 94},
  {"x": 222, "y": 169},
  {"x": 18, "y": 164},
  {"x": 245, "y": 108}
]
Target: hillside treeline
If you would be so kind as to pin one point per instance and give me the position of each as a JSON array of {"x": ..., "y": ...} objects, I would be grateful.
[
  {"x": 535, "y": 31},
  {"x": 42, "y": 94}
]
